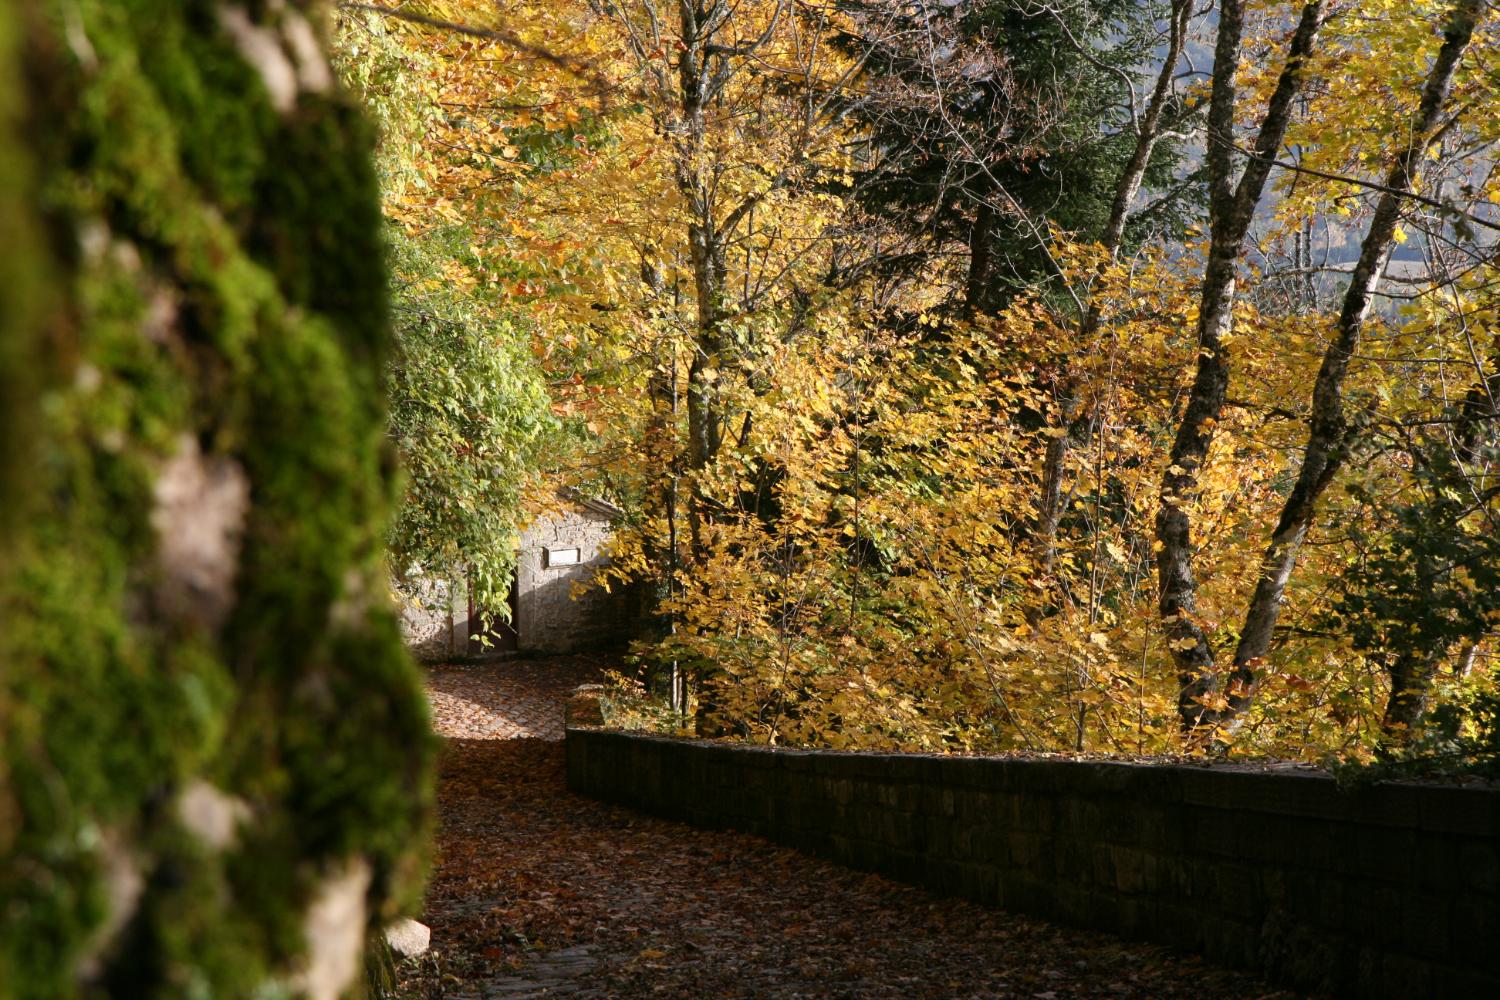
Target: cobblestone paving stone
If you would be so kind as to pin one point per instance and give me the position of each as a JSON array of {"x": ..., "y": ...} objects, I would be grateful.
[
  {"x": 540, "y": 894},
  {"x": 509, "y": 699}
]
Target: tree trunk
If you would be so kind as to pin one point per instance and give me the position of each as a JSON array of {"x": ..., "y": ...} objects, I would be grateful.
[
  {"x": 977, "y": 284},
  {"x": 1049, "y": 504},
  {"x": 699, "y": 24},
  {"x": 1231, "y": 208},
  {"x": 1480, "y": 407},
  {"x": 1411, "y": 681},
  {"x": 23, "y": 291},
  {"x": 1149, "y": 130},
  {"x": 1127, "y": 187},
  {"x": 1327, "y": 440},
  {"x": 215, "y": 754}
]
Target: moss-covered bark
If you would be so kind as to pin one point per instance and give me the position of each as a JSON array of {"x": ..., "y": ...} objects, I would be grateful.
[
  {"x": 214, "y": 753},
  {"x": 20, "y": 282}
]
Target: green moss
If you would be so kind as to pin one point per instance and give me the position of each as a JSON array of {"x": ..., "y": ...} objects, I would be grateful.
[
  {"x": 190, "y": 68},
  {"x": 22, "y": 290},
  {"x": 322, "y": 232},
  {"x": 226, "y": 288}
]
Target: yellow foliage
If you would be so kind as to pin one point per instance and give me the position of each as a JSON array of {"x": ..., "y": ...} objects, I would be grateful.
[{"x": 865, "y": 572}]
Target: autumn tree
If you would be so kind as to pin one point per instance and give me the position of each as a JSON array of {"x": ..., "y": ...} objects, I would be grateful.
[
  {"x": 748, "y": 139},
  {"x": 1329, "y": 438},
  {"x": 1234, "y": 193}
]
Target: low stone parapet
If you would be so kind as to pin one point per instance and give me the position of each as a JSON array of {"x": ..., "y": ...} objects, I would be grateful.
[
  {"x": 1387, "y": 892},
  {"x": 583, "y": 707}
]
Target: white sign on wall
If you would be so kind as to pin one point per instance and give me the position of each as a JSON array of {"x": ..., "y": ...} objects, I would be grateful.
[{"x": 560, "y": 557}]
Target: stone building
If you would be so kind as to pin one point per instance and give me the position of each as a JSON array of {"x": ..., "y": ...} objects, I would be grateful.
[{"x": 554, "y": 608}]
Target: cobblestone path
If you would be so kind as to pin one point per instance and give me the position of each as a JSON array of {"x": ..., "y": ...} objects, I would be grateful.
[
  {"x": 508, "y": 699},
  {"x": 538, "y": 893}
]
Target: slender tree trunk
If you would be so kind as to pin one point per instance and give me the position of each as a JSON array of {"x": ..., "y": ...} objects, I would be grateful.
[
  {"x": 662, "y": 451},
  {"x": 697, "y": 25},
  {"x": 1149, "y": 130},
  {"x": 1411, "y": 682},
  {"x": 1327, "y": 440},
  {"x": 1231, "y": 207},
  {"x": 1049, "y": 504},
  {"x": 1148, "y": 135},
  {"x": 698, "y": 65},
  {"x": 1464, "y": 665},
  {"x": 977, "y": 284},
  {"x": 1480, "y": 407},
  {"x": 705, "y": 430}
]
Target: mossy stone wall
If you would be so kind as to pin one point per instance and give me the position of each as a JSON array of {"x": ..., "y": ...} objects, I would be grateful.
[{"x": 214, "y": 753}]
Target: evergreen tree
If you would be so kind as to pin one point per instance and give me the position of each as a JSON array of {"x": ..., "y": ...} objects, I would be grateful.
[{"x": 993, "y": 120}]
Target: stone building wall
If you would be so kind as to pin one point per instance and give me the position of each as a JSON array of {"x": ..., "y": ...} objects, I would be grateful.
[
  {"x": 1388, "y": 892},
  {"x": 434, "y": 618},
  {"x": 558, "y": 610}
]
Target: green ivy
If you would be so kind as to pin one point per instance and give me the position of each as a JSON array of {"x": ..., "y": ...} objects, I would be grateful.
[{"x": 470, "y": 413}]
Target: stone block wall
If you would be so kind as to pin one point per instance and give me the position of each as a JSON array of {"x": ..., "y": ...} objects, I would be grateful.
[
  {"x": 559, "y": 608},
  {"x": 434, "y": 618},
  {"x": 1388, "y": 892}
]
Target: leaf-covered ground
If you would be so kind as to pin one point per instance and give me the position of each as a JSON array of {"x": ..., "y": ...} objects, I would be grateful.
[{"x": 540, "y": 893}]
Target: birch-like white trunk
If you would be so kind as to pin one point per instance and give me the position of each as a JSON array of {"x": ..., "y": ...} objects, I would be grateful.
[
  {"x": 1328, "y": 432},
  {"x": 1231, "y": 207}
]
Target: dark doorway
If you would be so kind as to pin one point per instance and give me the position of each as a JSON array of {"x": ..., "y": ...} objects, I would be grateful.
[{"x": 501, "y": 636}]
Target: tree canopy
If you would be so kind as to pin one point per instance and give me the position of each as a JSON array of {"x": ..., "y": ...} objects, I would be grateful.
[{"x": 973, "y": 373}]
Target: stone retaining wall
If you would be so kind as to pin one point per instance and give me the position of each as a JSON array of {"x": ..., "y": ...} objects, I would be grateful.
[{"x": 1393, "y": 891}]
